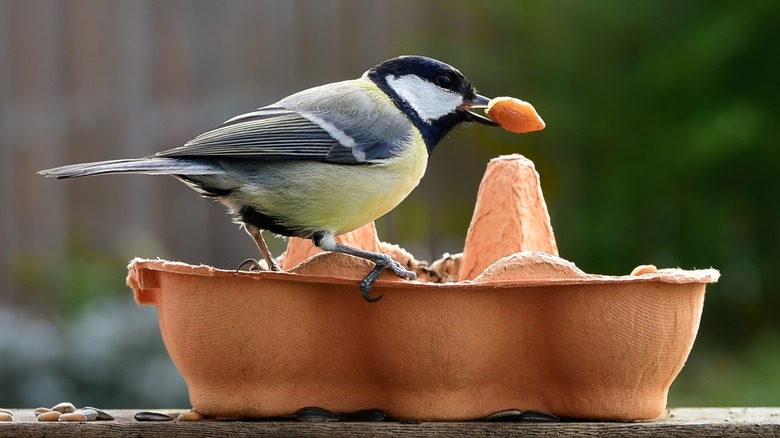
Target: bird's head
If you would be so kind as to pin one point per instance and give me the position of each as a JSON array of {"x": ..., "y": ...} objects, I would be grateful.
[{"x": 434, "y": 95}]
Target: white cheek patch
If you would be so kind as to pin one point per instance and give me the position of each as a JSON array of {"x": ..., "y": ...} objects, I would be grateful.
[{"x": 428, "y": 100}]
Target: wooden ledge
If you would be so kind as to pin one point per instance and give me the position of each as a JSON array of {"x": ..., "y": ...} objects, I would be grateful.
[{"x": 677, "y": 423}]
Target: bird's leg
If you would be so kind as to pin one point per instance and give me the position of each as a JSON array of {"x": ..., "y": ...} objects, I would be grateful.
[
  {"x": 258, "y": 238},
  {"x": 381, "y": 261}
]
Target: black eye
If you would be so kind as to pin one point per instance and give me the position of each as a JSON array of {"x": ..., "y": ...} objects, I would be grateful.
[{"x": 445, "y": 81}]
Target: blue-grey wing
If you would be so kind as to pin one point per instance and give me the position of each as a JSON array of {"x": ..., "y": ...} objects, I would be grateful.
[{"x": 276, "y": 133}]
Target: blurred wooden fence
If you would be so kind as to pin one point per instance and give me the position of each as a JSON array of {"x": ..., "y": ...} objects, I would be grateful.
[{"x": 87, "y": 80}]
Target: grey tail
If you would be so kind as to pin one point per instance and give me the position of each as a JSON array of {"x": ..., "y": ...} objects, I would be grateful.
[{"x": 148, "y": 166}]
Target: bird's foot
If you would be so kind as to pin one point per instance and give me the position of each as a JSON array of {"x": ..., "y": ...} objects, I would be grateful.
[
  {"x": 274, "y": 266},
  {"x": 253, "y": 265},
  {"x": 381, "y": 264},
  {"x": 261, "y": 245},
  {"x": 399, "y": 270}
]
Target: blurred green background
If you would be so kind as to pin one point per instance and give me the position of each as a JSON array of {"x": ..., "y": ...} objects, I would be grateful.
[{"x": 661, "y": 146}]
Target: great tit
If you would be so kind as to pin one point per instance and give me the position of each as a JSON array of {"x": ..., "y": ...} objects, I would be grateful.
[{"x": 323, "y": 161}]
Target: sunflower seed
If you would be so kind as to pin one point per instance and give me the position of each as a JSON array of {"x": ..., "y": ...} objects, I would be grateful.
[
  {"x": 90, "y": 414},
  {"x": 64, "y": 408},
  {"x": 101, "y": 414},
  {"x": 509, "y": 415},
  {"x": 48, "y": 416},
  {"x": 151, "y": 416},
  {"x": 516, "y": 415},
  {"x": 72, "y": 416},
  {"x": 539, "y": 417},
  {"x": 190, "y": 416},
  {"x": 316, "y": 415}
]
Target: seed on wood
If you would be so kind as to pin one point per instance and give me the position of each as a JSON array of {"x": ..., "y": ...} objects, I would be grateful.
[
  {"x": 190, "y": 416},
  {"x": 90, "y": 414},
  {"x": 49, "y": 416},
  {"x": 64, "y": 408},
  {"x": 316, "y": 415},
  {"x": 73, "y": 416},
  {"x": 101, "y": 414},
  {"x": 509, "y": 415},
  {"x": 151, "y": 416},
  {"x": 515, "y": 415},
  {"x": 6, "y": 417},
  {"x": 539, "y": 417}
]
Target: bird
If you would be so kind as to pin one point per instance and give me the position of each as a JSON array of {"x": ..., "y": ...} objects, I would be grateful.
[{"x": 323, "y": 161}]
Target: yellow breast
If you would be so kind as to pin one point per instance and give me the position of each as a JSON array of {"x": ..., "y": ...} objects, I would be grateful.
[
  {"x": 338, "y": 198},
  {"x": 383, "y": 186}
]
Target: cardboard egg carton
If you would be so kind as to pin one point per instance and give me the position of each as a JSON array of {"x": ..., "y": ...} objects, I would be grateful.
[{"x": 521, "y": 328}]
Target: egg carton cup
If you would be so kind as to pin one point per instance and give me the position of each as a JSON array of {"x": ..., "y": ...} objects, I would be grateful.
[{"x": 521, "y": 328}]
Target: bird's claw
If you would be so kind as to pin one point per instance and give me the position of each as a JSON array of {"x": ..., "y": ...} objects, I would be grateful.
[
  {"x": 256, "y": 265},
  {"x": 386, "y": 263},
  {"x": 399, "y": 270},
  {"x": 251, "y": 264}
]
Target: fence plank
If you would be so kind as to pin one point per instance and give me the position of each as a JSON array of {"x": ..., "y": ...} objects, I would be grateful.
[{"x": 85, "y": 80}]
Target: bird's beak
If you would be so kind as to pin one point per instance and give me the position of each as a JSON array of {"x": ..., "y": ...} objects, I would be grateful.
[{"x": 478, "y": 103}]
